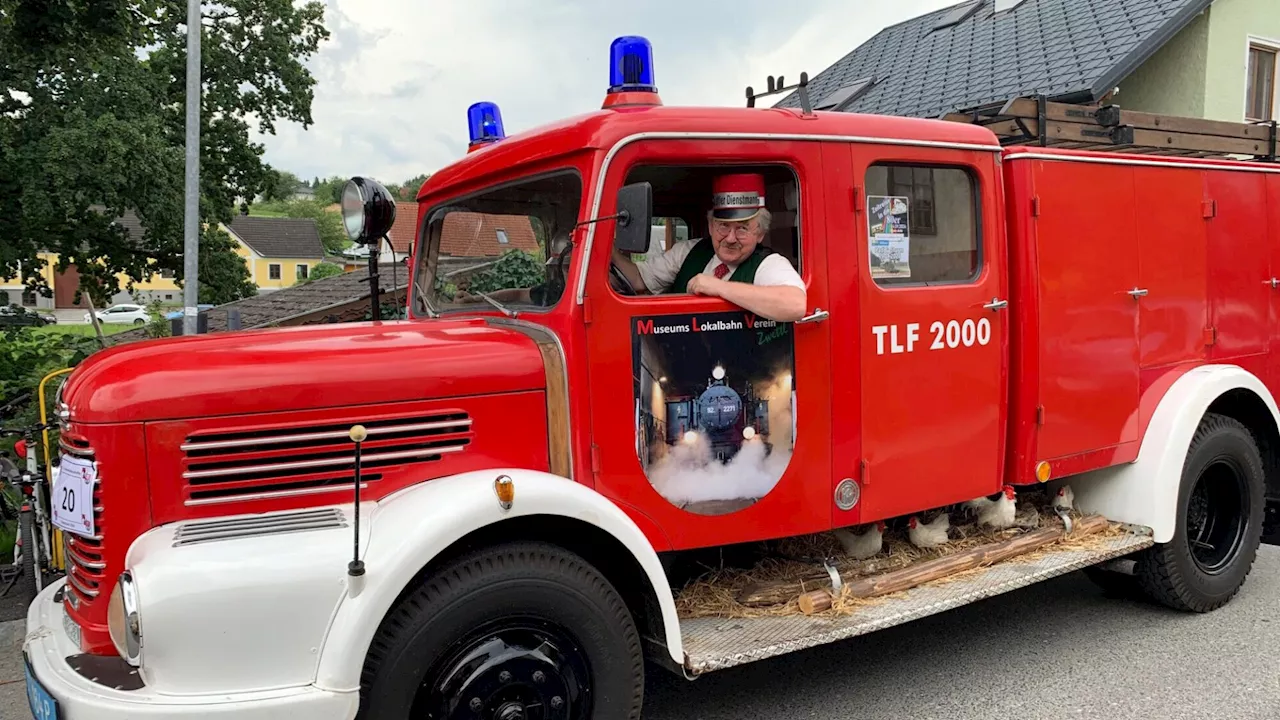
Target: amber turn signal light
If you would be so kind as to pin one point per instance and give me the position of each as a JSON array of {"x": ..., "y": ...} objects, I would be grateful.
[
  {"x": 1043, "y": 471},
  {"x": 505, "y": 490}
]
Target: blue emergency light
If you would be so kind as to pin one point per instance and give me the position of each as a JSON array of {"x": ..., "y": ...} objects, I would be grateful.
[
  {"x": 484, "y": 122},
  {"x": 631, "y": 65}
]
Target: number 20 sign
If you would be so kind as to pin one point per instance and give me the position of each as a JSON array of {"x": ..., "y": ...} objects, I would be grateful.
[{"x": 73, "y": 495}]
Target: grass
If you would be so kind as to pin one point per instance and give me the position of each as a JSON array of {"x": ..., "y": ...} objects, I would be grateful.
[{"x": 85, "y": 329}]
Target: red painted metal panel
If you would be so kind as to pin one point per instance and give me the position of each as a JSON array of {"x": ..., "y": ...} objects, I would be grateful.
[
  {"x": 933, "y": 393},
  {"x": 1171, "y": 246},
  {"x": 1087, "y": 247},
  {"x": 1273, "y": 279},
  {"x": 1239, "y": 259},
  {"x": 1024, "y": 338},
  {"x": 301, "y": 368}
]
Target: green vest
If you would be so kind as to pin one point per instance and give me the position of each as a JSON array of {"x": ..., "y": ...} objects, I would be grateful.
[{"x": 701, "y": 254}]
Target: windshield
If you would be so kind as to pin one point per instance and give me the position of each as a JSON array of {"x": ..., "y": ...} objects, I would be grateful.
[{"x": 506, "y": 247}]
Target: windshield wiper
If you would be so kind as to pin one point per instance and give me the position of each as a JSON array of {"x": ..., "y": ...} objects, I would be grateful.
[{"x": 505, "y": 310}]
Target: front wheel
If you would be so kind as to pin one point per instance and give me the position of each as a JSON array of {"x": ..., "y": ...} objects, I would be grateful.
[
  {"x": 522, "y": 631},
  {"x": 1220, "y": 511}
]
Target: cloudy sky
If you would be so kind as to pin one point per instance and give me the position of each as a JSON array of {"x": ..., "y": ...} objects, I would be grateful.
[{"x": 396, "y": 77}]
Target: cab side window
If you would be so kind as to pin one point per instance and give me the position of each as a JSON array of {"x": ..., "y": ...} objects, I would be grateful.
[{"x": 922, "y": 225}]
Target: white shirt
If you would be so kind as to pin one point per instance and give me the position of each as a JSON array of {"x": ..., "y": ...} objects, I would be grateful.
[{"x": 660, "y": 271}]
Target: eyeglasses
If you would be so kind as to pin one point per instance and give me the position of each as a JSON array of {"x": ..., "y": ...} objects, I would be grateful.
[{"x": 740, "y": 230}]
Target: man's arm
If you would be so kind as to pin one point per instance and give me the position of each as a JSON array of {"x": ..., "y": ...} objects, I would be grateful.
[
  {"x": 629, "y": 269},
  {"x": 783, "y": 303}
]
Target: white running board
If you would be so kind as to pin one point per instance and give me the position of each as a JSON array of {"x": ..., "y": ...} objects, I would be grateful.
[{"x": 717, "y": 643}]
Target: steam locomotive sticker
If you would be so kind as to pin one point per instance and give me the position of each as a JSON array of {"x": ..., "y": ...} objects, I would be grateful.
[
  {"x": 724, "y": 415},
  {"x": 713, "y": 406}
]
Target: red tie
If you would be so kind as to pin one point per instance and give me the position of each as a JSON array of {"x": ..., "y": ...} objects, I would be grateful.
[{"x": 721, "y": 271}]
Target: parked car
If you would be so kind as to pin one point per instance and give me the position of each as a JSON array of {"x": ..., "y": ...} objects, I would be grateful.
[
  {"x": 124, "y": 313},
  {"x": 18, "y": 315}
]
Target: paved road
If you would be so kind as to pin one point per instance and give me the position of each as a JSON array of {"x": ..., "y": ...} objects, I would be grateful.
[{"x": 1052, "y": 651}]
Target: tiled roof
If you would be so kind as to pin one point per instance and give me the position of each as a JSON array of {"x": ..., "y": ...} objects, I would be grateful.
[
  {"x": 1070, "y": 50},
  {"x": 467, "y": 234},
  {"x": 274, "y": 307},
  {"x": 405, "y": 230},
  {"x": 279, "y": 237}
]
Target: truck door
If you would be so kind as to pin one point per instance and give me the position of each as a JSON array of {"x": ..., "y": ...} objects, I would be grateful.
[
  {"x": 926, "y": 258},
  {"x": 709, "y": 420}
]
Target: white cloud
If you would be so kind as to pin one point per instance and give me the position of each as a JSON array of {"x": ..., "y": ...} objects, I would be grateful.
[{"x": 396, "y": 77}]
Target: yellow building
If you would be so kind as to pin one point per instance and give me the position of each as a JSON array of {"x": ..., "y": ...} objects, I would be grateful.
[{"x": 280, "y": 252}]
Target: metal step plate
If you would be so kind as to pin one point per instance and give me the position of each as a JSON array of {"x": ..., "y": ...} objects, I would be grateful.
[{"x": 716, "y": 643}]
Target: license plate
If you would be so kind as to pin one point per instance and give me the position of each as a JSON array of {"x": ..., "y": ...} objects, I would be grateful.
[{"x": 43, "y": 706}]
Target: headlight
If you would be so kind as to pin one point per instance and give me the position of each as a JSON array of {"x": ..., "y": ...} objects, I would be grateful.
[
  {"x": 123, "y": 620},
  {"x": 353, "y": 210}
]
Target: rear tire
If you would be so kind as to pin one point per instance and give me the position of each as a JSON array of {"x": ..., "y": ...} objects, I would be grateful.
[
  {"x": 1219, "y": 521},
  {"x": 518, "y": 630}
]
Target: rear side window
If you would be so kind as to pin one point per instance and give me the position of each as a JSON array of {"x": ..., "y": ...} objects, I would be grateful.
[{"x": 922, "y": 225}]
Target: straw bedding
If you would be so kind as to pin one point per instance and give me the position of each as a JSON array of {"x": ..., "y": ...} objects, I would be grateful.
[{"x": 715, "y": 593}]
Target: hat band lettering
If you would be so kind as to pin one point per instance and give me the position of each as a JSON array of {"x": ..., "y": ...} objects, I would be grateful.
[{"x": 737, "y": 200}]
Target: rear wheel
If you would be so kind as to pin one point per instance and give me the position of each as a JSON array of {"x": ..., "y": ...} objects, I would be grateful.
[
  {"x": 1220, "y": 512},
  {"x": 522, "y": 631}
]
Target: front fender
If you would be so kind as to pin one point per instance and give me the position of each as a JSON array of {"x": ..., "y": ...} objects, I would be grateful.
[
  {"x": 413, "y": 526},
  {"x": 1145, "y": 492}
]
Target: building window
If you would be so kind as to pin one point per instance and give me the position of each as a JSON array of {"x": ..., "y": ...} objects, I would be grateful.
[
  {"x": 273, "y": 271},
  {"x": 1261, "y": 84},
  {"x": 502, "y": 237},
  {"x": 29, "y": 298},
  {"x": 302, "y": 272},
  {"x": 168, "y": 274},
  {"x": 916, "y": 183}
]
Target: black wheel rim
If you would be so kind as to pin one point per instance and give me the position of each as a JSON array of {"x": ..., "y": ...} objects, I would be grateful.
[
  {"x": 1216, "y": 517},
  {"x": 508, "y": 669}
]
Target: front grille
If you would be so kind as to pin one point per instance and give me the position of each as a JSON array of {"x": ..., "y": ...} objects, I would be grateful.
[
  {"x": 225, "y": 466},
  {"x": 202, "y": 531},
  {"x": 86, "y": 566}
]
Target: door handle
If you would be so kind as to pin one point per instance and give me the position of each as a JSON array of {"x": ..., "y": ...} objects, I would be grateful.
[
  {"x": 1274, "y": 283},
  {"x": 818, "y": 316},
  {"x": 996, "y": 304},
  {"x": 1137, "y": 293}
]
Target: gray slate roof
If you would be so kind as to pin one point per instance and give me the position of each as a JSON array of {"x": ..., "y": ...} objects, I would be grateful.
[
  {"x": 279, "y": 237},
  {"x": 1070, "y": 50}
]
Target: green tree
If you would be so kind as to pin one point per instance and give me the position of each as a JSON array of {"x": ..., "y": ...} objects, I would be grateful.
[
  {"x": 92, "y": 123},
  {"x": 224, "y": 275},
  {"x": 324, "y": 270},
  {"x": 281, "y": 185}
]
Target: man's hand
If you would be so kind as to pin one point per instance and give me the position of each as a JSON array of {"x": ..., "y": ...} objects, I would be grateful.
[{"x": 710, "y": 285}]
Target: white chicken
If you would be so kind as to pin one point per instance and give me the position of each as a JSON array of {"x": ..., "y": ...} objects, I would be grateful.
[
  {"x": 1065, "y": 499},
  {"x": 928, "y": 535},
  {"x": 1000, "y": 513},
  {"x": 865, "y": 545}
]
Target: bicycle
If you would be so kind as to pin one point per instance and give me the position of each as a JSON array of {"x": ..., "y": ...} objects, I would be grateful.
[{"x": 32, "y": 550}]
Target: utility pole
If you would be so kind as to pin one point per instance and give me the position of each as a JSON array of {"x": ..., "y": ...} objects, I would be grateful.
[{"x": 191, "y": 225}]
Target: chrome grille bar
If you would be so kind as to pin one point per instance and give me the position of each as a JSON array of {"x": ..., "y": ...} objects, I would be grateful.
[
  {"x": 326, "y": 435},
  {"x": 326, "y": 462}
]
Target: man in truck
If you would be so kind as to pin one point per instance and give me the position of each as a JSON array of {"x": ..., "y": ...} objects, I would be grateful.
[{"x": 730, "y": 263}]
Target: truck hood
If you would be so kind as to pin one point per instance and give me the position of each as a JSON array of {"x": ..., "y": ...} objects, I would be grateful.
[{"x": 301, "y": 368}]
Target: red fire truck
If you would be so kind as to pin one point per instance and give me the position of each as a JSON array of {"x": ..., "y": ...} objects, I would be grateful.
[{"x": 478, "y": 511}]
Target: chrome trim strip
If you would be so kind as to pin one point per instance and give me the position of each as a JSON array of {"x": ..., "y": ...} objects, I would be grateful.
[
  {"x": 272, "y": 495},
  {"x": 81, "y": 561},
  {"x": 278, "y": 529},
  {"x": 564, "y": 363},
  {"x": 1104, "y": 160},
  {"x": 327, "y": 462},
  {"x": 608, "y": 160},
  {"x": 87, "y": 593},
  {"x": 329, "y": 434},
  {"x": 72, "y": 450},
  {"x": 257, "y": 520}
]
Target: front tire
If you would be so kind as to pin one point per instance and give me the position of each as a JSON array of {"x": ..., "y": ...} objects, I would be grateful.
[
  {"x": 1220, "y": 511},
  {"x": 521, "y": 630}
]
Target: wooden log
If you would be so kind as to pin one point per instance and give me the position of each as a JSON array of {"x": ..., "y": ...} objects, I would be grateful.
[
  {"x": 764, "y": 594},
  {"x": 967, "y": 560},
  {"x": 1113, "y": 116},
  {"x": 815, "y": 602}
]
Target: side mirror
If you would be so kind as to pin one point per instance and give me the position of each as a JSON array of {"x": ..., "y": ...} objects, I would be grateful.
[
  {"x": 368, "y": 210},
  {"x": 635, "y": 215}
]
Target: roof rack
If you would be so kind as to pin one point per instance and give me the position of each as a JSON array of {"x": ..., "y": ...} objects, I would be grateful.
[{"x": 1109, "y": 128}]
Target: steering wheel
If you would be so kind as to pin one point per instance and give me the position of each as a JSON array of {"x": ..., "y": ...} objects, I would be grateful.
[{"x": 619, "y": 282}]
